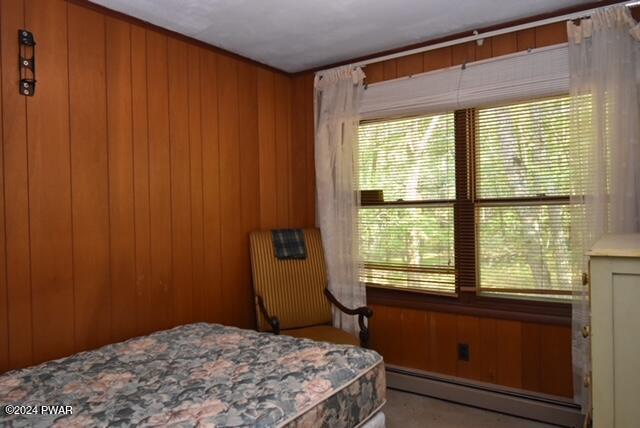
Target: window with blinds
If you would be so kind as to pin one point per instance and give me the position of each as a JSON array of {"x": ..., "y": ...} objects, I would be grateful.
[
  {"x": 407, "y": 174},
  {"x": 474, "y": 201},
  {"x": 523, "y": 185}
]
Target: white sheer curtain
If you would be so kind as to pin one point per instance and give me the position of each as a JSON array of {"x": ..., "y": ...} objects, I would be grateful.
[
  {"x": 338, "y": 96},
  {"x": 604, "y": 55}
]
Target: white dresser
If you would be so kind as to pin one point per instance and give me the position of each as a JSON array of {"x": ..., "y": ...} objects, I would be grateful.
[{"x": 615, "y": 331}]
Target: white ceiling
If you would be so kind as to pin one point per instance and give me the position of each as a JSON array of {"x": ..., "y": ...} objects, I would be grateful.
[{"x": 295, "y": 35}]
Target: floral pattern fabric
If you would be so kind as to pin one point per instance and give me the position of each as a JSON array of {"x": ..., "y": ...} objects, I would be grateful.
[{"x": 202, "y": 375}]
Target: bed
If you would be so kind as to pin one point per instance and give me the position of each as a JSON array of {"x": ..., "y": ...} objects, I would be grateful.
[{"x": 207, "y": 375}]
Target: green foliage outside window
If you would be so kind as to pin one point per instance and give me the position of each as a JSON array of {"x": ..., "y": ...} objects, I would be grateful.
[
  {"x": 411, "y": 160},
  {"x": 522, "y": 220}
]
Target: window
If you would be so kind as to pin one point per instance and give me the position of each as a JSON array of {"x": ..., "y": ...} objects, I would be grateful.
[
  {"x": 522, "y": 190},
  {"x": 407, "y": 232},
  {"x": 475, "y": 201}
]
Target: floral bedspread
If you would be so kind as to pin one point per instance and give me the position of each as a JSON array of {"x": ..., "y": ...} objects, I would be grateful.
[{"x": 200, "y": 374}]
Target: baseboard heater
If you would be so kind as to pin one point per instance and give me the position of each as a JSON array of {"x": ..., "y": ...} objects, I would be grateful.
[{"x": 539, "y": 407}]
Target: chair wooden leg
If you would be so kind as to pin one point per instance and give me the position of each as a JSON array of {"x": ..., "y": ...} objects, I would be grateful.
[{"x": 364, "y": 337}]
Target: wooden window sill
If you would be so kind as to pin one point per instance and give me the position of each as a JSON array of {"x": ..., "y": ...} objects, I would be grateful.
[{"x": 541, "y": 312}]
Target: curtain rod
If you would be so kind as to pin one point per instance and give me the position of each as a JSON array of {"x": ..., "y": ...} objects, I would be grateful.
[{"x": 480, "y": 36}]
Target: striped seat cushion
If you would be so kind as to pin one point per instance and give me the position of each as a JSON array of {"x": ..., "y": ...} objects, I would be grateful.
[
  {"x": 324, "y": 333},
  {"x": 292, "y": 290}
]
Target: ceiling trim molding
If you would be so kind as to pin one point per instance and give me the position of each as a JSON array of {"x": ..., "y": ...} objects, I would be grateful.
[{"x": 147, "y": 25}]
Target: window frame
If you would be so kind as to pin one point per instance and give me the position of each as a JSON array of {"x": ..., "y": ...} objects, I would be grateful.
[
  {"x": 419, "y": 203},
  {"x": 468, "y": 298}
]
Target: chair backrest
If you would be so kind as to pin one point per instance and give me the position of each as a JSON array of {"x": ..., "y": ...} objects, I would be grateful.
[{"x": 292, "y": 290}]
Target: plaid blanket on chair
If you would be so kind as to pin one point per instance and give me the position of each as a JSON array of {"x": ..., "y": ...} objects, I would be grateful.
[{"x": 289, "y": 244}]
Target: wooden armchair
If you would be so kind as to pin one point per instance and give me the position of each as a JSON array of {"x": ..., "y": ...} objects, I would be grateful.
[{"x": 292, "y": 297}]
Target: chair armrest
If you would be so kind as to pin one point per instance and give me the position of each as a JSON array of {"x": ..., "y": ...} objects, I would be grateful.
[
  {"x": 362, "y": 312},
  {"x": 273, "y": 321}
]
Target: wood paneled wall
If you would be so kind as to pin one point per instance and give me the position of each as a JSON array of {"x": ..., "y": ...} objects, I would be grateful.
[
  {"x": 534, "y": 357},
  {"x": 454, "y": 55},
  {"x": 524, "y": 355},
  {"x": 131, "y": 180}
]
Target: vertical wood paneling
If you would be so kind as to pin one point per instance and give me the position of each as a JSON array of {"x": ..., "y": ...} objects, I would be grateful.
[
  {"x": 283, "y": 159},
  {"x": 410, "y": 64},
  {"x": 130, "y": 182},
  {"x": 121, "y": 183},
  {"x": 414, "y": 339},
  {"x": 488, "y": 350},
  {"x": 485, "y": 50},
  {"x": 467, "y": 52},
  {"x": 211, "y": 187},
  {"x": 392, "y": 334},
  {"x": 4, "y": 309},
  {"x": 309, "y": 137},
  {"x": 89, "y": 178},
  {"x": 504, "y": 44},
  {"x": 509, "y": 353},
  {"x": 230, "y": 202},
  {"x": 267, "y": 149},
  {"x": 526, "y": 39},
  {"x": 172, "y": 139},
  {"x": 555, "y": 360},
  {"x": 16, "y": 193},
  {"x": 378, "y": 338},
  {"x": 374, "y": 72},
  {"x": 437, "y": 59},
  {"x": 461, "y": 54},
  {"x": 531, "y": 356},
  {"x": 389, "y": 69},
  {"x": 197, "y": 202},
  {"x": 142, "y": 208},
  {"x": 401, "y": 324},
  {"x": 298, "y": 159},
  {"x": 551, "y": 34},
  {"x": 468, "y": 331},
  {"x": 508, "y": 358},
  {"x": 442, "y": 343},
  {"x": 249, "y": 185},
  {"x": 50, "y": 185},
  {"x": 182, "y": 269},
  {"x": 161, "y": 287}
]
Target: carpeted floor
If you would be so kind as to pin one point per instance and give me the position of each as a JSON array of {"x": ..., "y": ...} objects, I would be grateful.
[{"x": 404, "y": 410}]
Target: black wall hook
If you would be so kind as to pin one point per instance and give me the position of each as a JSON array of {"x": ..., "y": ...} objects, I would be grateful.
[
  {"x": 26, "y": 38},
  {"x": 27, "y": 63}
]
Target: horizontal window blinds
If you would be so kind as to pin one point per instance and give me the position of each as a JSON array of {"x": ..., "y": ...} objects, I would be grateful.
[
  {"x": 524, "y": 250},
  {"x": 408, "y": 247},
  {"x": 406, "y": 231},
  {"x": 523, "y": 185},
  {"x": 527, "y": 75},
  {"x": 411, "y": 159},
  {"x": 523, "y": 150}
]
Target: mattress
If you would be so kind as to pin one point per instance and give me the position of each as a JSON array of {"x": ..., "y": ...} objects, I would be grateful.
[{"x": 204, "y": 374}]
